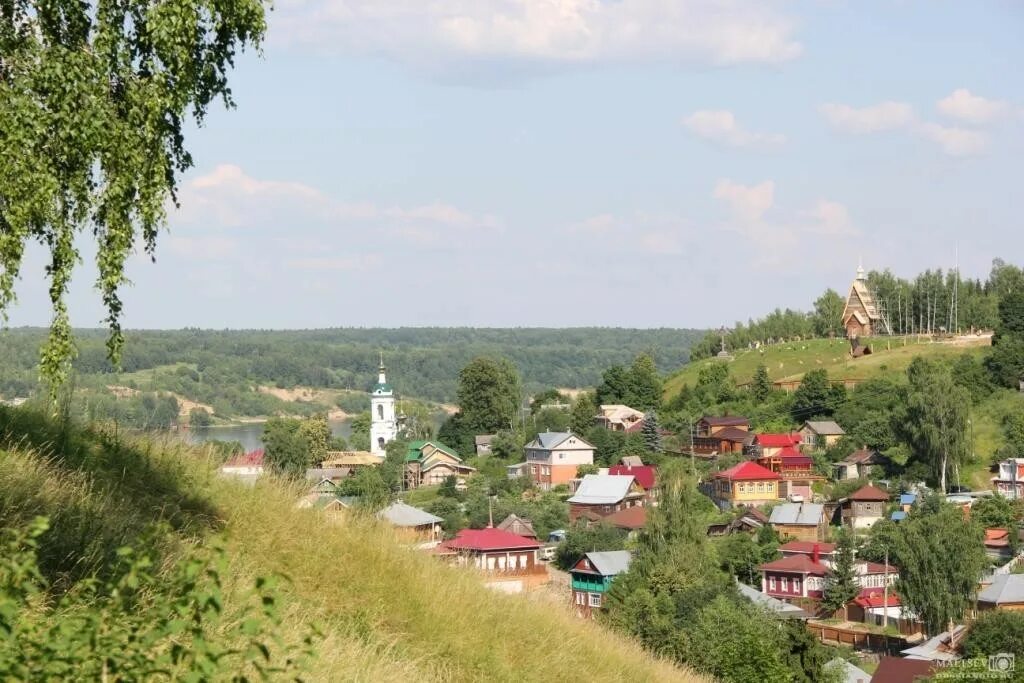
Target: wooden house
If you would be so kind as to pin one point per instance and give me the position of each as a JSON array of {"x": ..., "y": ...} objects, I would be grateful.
[
  {"x": 1005, "y": 592},
  {"x": 599, "y": 495},
  {"x": 857, "y": 465},
  {"x": 744, "y": 484},
  {"x": 412, "y": 524},
  {"x": 819, "y": 434},
  {"x": 865, "y": 506},
  {"x": 861, "y": 317},
  {"x": 519, "y": 526},
  {"x": 430, "y": 463},
  {"x": 800, "y": 521},
  {"x": 796, "y": 472},
  {"x": 509, "y": 562},
  {"x": 592, "y": 576}
]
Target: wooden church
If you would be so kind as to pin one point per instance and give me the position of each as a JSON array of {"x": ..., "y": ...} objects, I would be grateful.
[{"x": 861, "y": 317}]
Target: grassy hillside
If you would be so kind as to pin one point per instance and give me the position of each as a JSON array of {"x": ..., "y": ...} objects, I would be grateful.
[
  {"x": 791, "y": 360},
  {"x": 388, "y": 613}
]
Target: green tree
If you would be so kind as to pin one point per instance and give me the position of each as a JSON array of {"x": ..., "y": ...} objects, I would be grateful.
[
  {"x": 456, "y": 433},
  {"x": 94, "y": 104},
  {"x": 199, "y": 417},
  {"x": 967, "y": 372},
  {"x": 732, "y": 641},
  {"x": 643, "y": 384},
  {"x": 584, "y": 410},
  {"x": 285, "y": 449},
  {"x": 941, "y": 557},
  {"x": 488, "y": 395},
  {"x": 317, "y": 434},
  {"x": 1006, "y": 362},
  {"x": 934, "y": 420},
  {"x": 1011, "y": 313},
  {"x": 546, "y": 397},
  {"x": 651, "y": 432},
  {"x": 359, "y": 440},
  {"x": 842, "y": 586},
  {"x": 761, "y": 386},
  {"x": 614, "y": 387},
  {"x": 506, "y": 445},
  {"x": 995, "y": 632},
  {"x": 828, "y": 314},
  {"x": 993, "y": 512},
  {"x": 816, "y": 397}
]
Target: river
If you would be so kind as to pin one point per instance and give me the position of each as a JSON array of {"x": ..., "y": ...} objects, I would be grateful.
[{"x": 250, "y": 434}]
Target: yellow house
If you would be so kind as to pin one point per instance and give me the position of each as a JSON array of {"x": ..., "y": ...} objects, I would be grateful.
[{"x": 745, "y": 484}]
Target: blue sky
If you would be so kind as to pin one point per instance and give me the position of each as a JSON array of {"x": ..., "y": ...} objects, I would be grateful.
[{"x": 584, "y": 162}]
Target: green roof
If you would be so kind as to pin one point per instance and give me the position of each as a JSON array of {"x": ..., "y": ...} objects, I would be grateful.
[
  {"x": 381, "y": 388},
  {"x": 415, "y": 451}
]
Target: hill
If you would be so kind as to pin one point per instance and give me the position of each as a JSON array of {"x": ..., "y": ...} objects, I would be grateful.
[
  {"x": 788, "y": 361},
  {"x": 386, "y": 612},
  {"x": 226, "y": 369}
]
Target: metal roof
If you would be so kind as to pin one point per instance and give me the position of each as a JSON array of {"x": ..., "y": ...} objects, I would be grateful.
[
  {"x": 610, "y": 562},
  {"x": 549, "y": 440},
  {"x": 777, "y": 607},
  {"x": 602, "y": 489},
  {"x": 1005, "y": 588},
  {"x": 825, "y": 427},
  {"x": 848, "y": 673},
  {"x": 797, "y": 513},
  {"x": 404, "y": 515}
]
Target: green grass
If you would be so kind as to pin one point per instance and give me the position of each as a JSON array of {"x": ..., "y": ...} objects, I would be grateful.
[
  {"x": 388, "y": 613},
  {"x": 790, "y": 360},
  {"x": 422, "y": 496}
]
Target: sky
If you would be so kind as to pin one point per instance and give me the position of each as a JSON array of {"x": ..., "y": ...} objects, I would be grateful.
[{"x": 633, "y": 163}]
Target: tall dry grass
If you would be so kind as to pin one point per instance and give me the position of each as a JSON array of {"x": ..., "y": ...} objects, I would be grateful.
[{"x": 387, "y": 612}]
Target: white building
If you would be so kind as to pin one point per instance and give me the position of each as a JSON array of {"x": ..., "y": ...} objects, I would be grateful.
[{"x": 383, "y": 420}]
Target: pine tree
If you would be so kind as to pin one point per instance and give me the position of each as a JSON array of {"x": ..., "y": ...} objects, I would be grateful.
[
  {"x": 842, "y": 581},
  {"x": 651, "y": 432},
  {"x": 762, "y": 386}
]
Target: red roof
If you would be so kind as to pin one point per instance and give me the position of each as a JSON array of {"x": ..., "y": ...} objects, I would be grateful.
[
  {"x": 778, "y": 440},
  {"x": 250, "y": 459},
  {"x": 807, "y": 547},
  {"x": 868, "y": 492},
  {"x": 875, "y": 597},
  {"x": 489, "y": 539},
  {"x": 798, "y": 564},
  {"x": 997, "y": 538},
  {"x": 628, "y": 518},
  {"x": 746, "y": 471},
  {"x": 902, "y": 670},
  {"x": 878, "y": 568},
  {"x": 645, "y": 475},
  {"x": 789, "y": 452}
]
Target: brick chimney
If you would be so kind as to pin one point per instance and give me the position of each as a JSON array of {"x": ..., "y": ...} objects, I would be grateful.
[{"x": 816, "y": 553}]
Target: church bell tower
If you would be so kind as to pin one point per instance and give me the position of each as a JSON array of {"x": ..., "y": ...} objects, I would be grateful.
[{"x": 383, "y": 422}]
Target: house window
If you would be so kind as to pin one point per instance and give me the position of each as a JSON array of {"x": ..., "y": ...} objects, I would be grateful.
[
  {"x": 760, "y": 487},
  {"x": 785, "y": 585},
  {"x": 380, "y": 411},
  {"x": 595, "y": 599},
  {"x": 546, "y": 471},
  {"x": 580, "y": 599},
  {"x": 533, "y": 469},
  {"x": 380, "y": 442},
  {"x": 796, "y": 585},
  {"x": 771, "y": 583}
]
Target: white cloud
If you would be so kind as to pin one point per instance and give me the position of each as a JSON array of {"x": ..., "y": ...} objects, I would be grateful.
[
  {"x": 721, "y": 126},
  {"x": 872, "y": 119},
  {"x": 748, "y": 202},
  {"x": 595, "y": 225},
  {"x": 227, "y": 197},
  {"x": 830, "y": 218},
  {"x": 955, "y": 142},
  {"x": 431, "y": 33},
  {"x": 962, "y": 105}
]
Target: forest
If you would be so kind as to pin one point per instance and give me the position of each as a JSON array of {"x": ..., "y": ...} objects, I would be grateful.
[{"x": 223, "y": 368}]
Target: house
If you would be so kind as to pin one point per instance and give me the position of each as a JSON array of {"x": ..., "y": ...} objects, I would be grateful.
[
  {"x": 508, "y": 561},
  {"x": 903, "y": 670},
  {"x": 879, "y": 607},
  {"x": 519, "y": 526},
  {"x": 430, "y": 463},
  {"x": 796, "y": 472},
  {"x": 339, "y": 465},
  {"x": 617, "y": 417},
  {"x": 747, "y": 520},
  {"x": 938, "y": 649},
  {"x": 768, "y": 445},
  {"x": 246, "y": 466},
  {"x": 413, "y": 523},
  {"x": 744, "y": 484},
  {"x": 709, "y": 425},
  {"x": 804, "y": 568},
  {"x": 863, "y": 507},
  {"x": 857, "y": 465},
  {"x": 553, "y": 458},
  {"x": 631, "y": 520},
  {"x": 599, "y": 495},
  {"x": 520, "y": 469},
  {"x": 820, "y": 434},
  {"x": 997, "y": 545},
  {"x": 482, "y": 443},
  {"x": 860, "y": 315},
  {"x": 802, "y": 521},
  {"x": 646, "y": 476},
  {"x": 1009, "y": 483},
  {"x": 632, "y": 460},
  {"x": 1006, "y": 592},
  {"x": 592, "y": 575}
]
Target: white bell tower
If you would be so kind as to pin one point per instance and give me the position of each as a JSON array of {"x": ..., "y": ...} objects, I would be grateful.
[{"x": 383, "y": 422}]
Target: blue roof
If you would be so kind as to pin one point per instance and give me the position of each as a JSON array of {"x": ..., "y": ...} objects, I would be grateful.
[
  {"x": 908, "y": 498},
  {"x": 898, "y": 516}
]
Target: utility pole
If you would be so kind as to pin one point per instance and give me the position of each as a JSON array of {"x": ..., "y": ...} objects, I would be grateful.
[{"x": 885, "y": 593}]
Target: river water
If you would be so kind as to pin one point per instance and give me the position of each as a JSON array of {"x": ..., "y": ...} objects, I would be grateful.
[{"x": 250, "y": 434}]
